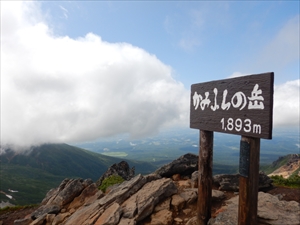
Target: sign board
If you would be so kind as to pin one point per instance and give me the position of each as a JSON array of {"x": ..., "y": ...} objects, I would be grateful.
[{"x": 242, "y": 105}]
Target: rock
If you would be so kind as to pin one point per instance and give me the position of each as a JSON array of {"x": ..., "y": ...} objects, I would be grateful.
[
  {"x": 89, "y": 191},
  {"x": 163, "y": 205},
  {"x": 177, "y": 202},
  {"x": 182, "y": 184},
  {"x": 25, "y": 221},
  {"x": 217, "y": 195},
  {"x": 192, "y": 221},
  {"x": 194, "y": 179},
  {"x": 45, "y": 209},
  {"x": 39, "y": 221},
  {"x": 270, "y": 211},
  {"x": 187, "y": 211},
  {"x": 122, "y": 169},
  {"x": 126, "y": 221},
  {"x": 184, "y": 165},
  {"x": 178, "y": 220},
  {"x": 60, "y": 218},
  {"x": 264, "y": 182},
  {"x": 71, "y": 190},
  {"x": 90, "y": 213},
  {"x": 190, "y": 195},
  {"x": 231, "y": 182},
  {"x": 176, "y": 177},
  {"x": 111, "y": 215},
  {"x": 163, "y": 217},
  {"x": 50, "y": 218},
  {"x": 141, "y": 204}
]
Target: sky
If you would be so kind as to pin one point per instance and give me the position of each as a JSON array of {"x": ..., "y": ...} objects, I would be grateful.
[{"x": 75, "y": 71}]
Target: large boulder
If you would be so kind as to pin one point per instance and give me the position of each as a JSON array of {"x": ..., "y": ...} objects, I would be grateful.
[
  {"x": 141, "y": 204},
  {"x": 271, "y": 211},
  {"x": 230, "y": 182},
  {"x": 184, "y": 165},
  {"x": 122, "y": 169}
]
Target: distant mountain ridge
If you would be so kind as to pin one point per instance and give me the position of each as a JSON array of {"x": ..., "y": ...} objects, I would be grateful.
[{"x": 33, "y": 172}]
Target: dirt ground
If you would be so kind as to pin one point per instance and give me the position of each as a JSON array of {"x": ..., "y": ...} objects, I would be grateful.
[{"x": 288, "y": 194}]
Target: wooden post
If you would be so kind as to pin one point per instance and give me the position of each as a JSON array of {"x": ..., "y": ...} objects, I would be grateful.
[
  {"x": 248, "y": 183},
  {"x": 205, "y": 177}
]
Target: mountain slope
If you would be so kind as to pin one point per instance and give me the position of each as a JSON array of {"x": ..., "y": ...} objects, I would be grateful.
[
  {"x": 41, "y": 168},
  {"x": 286, "y": 166}
]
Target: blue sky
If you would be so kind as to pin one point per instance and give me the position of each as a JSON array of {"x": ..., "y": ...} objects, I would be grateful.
[
  {"x": 78, "y": 70},
  {"x": 199, "y": 40}
]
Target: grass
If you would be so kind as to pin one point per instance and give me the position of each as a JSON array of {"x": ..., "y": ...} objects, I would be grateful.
[{"x": 110, "y": 181}]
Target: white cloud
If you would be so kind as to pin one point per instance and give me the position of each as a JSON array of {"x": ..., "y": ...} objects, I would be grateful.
[
  {"x": 286, "y": 104},
  {"x": 58, "y": 89},
  {"x": 237, "y": 74},
  {"x": 64, "y": 11}
]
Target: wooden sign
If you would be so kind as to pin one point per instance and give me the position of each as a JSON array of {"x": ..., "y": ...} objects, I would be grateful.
[{"x": 242, "y": 105}]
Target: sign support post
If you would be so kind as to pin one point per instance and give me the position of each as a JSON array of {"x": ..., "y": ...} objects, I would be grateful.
[
  {"x": 205, "y": 177},
  {"x": 248, "y": 183},
  {"x": 242, "y": 106}
]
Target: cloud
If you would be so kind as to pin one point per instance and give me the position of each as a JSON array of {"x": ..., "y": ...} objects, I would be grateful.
[
  {"x": 286, "y": 104},
  {"x": 59, "y": 89},
  {"x": 64, "y": 11}
]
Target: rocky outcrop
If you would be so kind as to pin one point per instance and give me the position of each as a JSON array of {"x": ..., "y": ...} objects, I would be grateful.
[
  {"x": 230, "y": 182},
  {"x": 151, "y": 200},
  {"x": 184, "y": 165},
  {"x": 270, "y": 211},
  {"x": 122, "y": 169},
  {"x": 286, "y": 170}
]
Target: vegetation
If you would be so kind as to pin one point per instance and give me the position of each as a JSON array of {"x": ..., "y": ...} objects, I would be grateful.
[
  {"x": 16, "y": 208},
  {"x": 109, "y": 181},
  {"x": 293, "y": 181}
]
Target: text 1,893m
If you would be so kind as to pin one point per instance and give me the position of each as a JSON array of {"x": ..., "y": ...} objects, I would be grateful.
[{"x": 239, "y": 125}]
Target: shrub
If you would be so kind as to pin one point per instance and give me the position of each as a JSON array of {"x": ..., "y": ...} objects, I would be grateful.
[
  {"x": 293, "y": 181},
  {"x": 109, "y": 181}
]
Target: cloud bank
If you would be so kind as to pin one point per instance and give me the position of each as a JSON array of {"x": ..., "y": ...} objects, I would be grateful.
[{"x": 59, "y": 89}]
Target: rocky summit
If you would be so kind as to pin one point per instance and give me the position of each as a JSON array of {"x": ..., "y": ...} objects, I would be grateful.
[{"x": 167, "y": 196}]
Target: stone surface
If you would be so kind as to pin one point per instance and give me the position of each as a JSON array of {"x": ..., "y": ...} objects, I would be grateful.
[
  {"x": 190, "y": 195},
  {"x": 126, "y": 221},
  {"x": 231, "y": 182},
  {"x": 141, "y": 204},
  {"x": 163, "y": 217},
  {"x": 111, "y": 215},
  {"x": 122, "y": 169},
  {"x": 217, "y": 195},
  {"x": 25, "y": 221},
  {"x": 89, "y": 191},
  {"x": 193, "y": 221},
  {"x": 45, "y": 209},
  {"x": 184, "y": 165},
  {"x": 163, "y": 205},
  {"x": 60, "y": 218},
  {"x": 177, "y": 202},
  {"x": 270, "y": 211}
]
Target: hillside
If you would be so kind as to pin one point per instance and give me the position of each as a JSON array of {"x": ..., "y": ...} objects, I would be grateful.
[
  {"x": 284, "y": 166},
  {"x": 35, "y": 171}
]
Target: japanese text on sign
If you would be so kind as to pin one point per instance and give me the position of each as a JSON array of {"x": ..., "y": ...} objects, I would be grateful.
[{"x": 238, "y": 100}]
